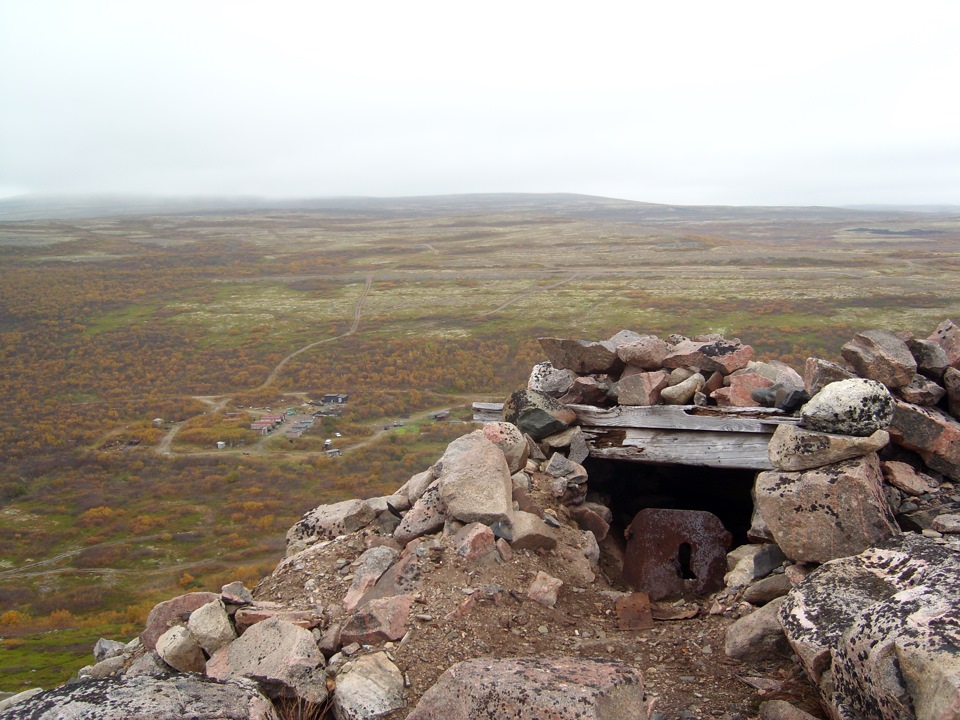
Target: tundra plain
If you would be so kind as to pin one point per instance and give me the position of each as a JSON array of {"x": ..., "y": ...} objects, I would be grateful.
[{"x": 204, "y": 315}]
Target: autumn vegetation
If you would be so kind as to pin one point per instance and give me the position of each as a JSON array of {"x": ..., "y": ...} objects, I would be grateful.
[{"x": 110, "y": 324}]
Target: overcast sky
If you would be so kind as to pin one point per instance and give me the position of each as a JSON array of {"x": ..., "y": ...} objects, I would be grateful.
[{"x": 728, "y": 102}]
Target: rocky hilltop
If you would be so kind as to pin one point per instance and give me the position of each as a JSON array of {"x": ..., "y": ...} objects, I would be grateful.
[{"x": 506, "y": 581}]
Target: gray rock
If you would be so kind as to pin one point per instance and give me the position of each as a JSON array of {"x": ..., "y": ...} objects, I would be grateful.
[
  {"x": 369, "y": 687},
  {"x": 329, "y": 521},
  {"x": 426, "y": 516},
  {"x": 105, "y": 668},
  {"x": 931, "y": 359},
  {"x": 877, "y": 632},
  {"x": 180, "y": 650},
  {"x": 766, "y": 589},
  {"x": 782, "y": 710},
  {"x": 792, "y": 448},
  {"x": 817, "y": 374},
  {"x": 582, "y": 356},
  {"x": 474, "y": 481},
  {"x": 107, "y": 649},
  {"x": 281, "y": 656},
  {"x": 849, "y": 407},
  {"x": 683, "y": 392},
  {"x": 948, "y": 523},
  {"x": 828, "y": 512},
  {"x": 951, "y": 382},
  {"x": 370, "y": 567},
  {"x": 757, "y": 636},
  {"x": 418, "y": 484},
  {"x": 717, "y": 355},
  {"x": 749, "y": 562},
  {"x": 947, "y": 336},
  {"x": 528, "y": 688},
  {"x": 537, "y": 414},
  {"x": 149, "y": 664},
  {"x": 175, "y": 697},
  {"x": 547, "y": 379},
  {"x": 211, "y": 627},
  {"x": 882, "y": 356},
  {"x": 14, "y": 698},
  {"x": 236, "y": 593}
]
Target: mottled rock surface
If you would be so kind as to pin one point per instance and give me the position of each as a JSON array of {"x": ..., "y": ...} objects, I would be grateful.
[
  {"x": 536, "y": 414},
  {"x": 849, "y": 407},
  {"x": 931, "y": 433},
  {"x": 328, "y": 521},
  {"x": 882, "y": 356},
  {"x": 792, "y": 448},
  {"x": 535, "y": 688}
]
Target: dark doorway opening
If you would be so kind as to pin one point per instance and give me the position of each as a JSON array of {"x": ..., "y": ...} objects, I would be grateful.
[{"x": 627, "y": 488}]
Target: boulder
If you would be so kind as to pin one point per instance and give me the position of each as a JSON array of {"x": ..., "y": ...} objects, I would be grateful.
[
  {"x": 105, "y": 648},
  {"x": 172, "y": 697},
  {"x": 175, "y": 611},
  {"x": 180, "y": 650},
  {"x": 236, "y": 593},
  {"x": 537, "y": 414},
  {"x": 793, "y": 448},
  {"x": 740, "y": 391},
  {"x": 475, "y": 542},
  {"x": 642, "y": 388},
  {"x": 426, "y": 516},
  {"x": 906, "y": 478},
  {"x": 921, "y": 391},
  {"x": 931, "y": 433},
  {"x": 547, "y": 379},
  {"x": 529, "y": 532},
  {"x": 932, "y": 360},
  {"x": 947, "y": 336},
  {"x": 378, "y": 621},
  {"x": 588, "y": 390},
  {"x": 329, "y": 521},
  {"x": 817, "y": 374},
  {"x": 828, "y": 512},
  {"x": 647, "y": 352},
  {"x": 582, "y": 356},
  {"x": 766, "y": 589},
  {"x": 947, "y": 523},
  {"x": 371, "y": 565},
  {"x": 757, "y": 636},
  {"x": 282, "y": 657},
  {"x": 882, "y": 356},
  {"x": 951, "y": 382},
  {"x": 211, "y": 627},
  {"x": 558, "y": 688},
  {"x": 849, "y": 407},
  {"x": 877, "y": 632},
  {"x": 474, "y": 482},
  {"x": 511, "y": 442},
  {"x": 418, "y": 484},
  {"x": 682, "y": 393},
  {"x": 369, "y": 687},
  {"x": 718, "y": 355}
]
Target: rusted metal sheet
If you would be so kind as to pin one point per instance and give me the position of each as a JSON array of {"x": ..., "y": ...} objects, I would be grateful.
[{"x": 670, "y": 552}]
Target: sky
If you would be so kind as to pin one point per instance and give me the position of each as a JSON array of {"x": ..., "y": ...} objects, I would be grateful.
[{"x": 686, "y": 102}]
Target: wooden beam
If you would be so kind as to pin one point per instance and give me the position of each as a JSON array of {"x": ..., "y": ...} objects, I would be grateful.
[
  {"x": 742, "y": 450},
  {"x": 683, "y": 417}
]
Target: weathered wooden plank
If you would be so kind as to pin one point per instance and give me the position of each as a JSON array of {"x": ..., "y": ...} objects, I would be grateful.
[
  {"x": 745, "y": 450},
  {"x": 682, "y": 417}
]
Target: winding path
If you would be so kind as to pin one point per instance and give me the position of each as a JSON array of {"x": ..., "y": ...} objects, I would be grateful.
[{"x": 353, "y": 328}]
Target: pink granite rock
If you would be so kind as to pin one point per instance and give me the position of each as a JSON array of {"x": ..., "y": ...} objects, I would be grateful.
[
  {"x": 475, "y": 542},
  {"x": 740, "y": 391},
  {"x": 882, "y": 356},
  {"x": 931, "y": 433},
  {"x": 378, "y": 621},
  {"x": 544, "y": 589},
  {"x": 169, "y": 613}
]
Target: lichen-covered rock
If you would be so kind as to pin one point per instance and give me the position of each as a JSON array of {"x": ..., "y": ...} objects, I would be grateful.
[
  {"x": 173, "y": 697},
  {"x": 857, "y": 407},
  {"x": 792, "y": 448},
  {"x": 718, "y": 355},
  {"x": 511, "y": 442},
  {"x": 367, "y": 688},
  {"x": 426, "y": 516},
  {"x": 329, "y": 521},
  {"x": 281, "y": 656},
  {"x": 828, "y": 512},
  {"x": 547, "y": 379},
  {"x": 921, "y": 391},
  {"x": 529, "y": 688},
  {"x": 536, "y": 414},
  {"x": 947, "y": 336},
  {"x": 878, "y": 632}
]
